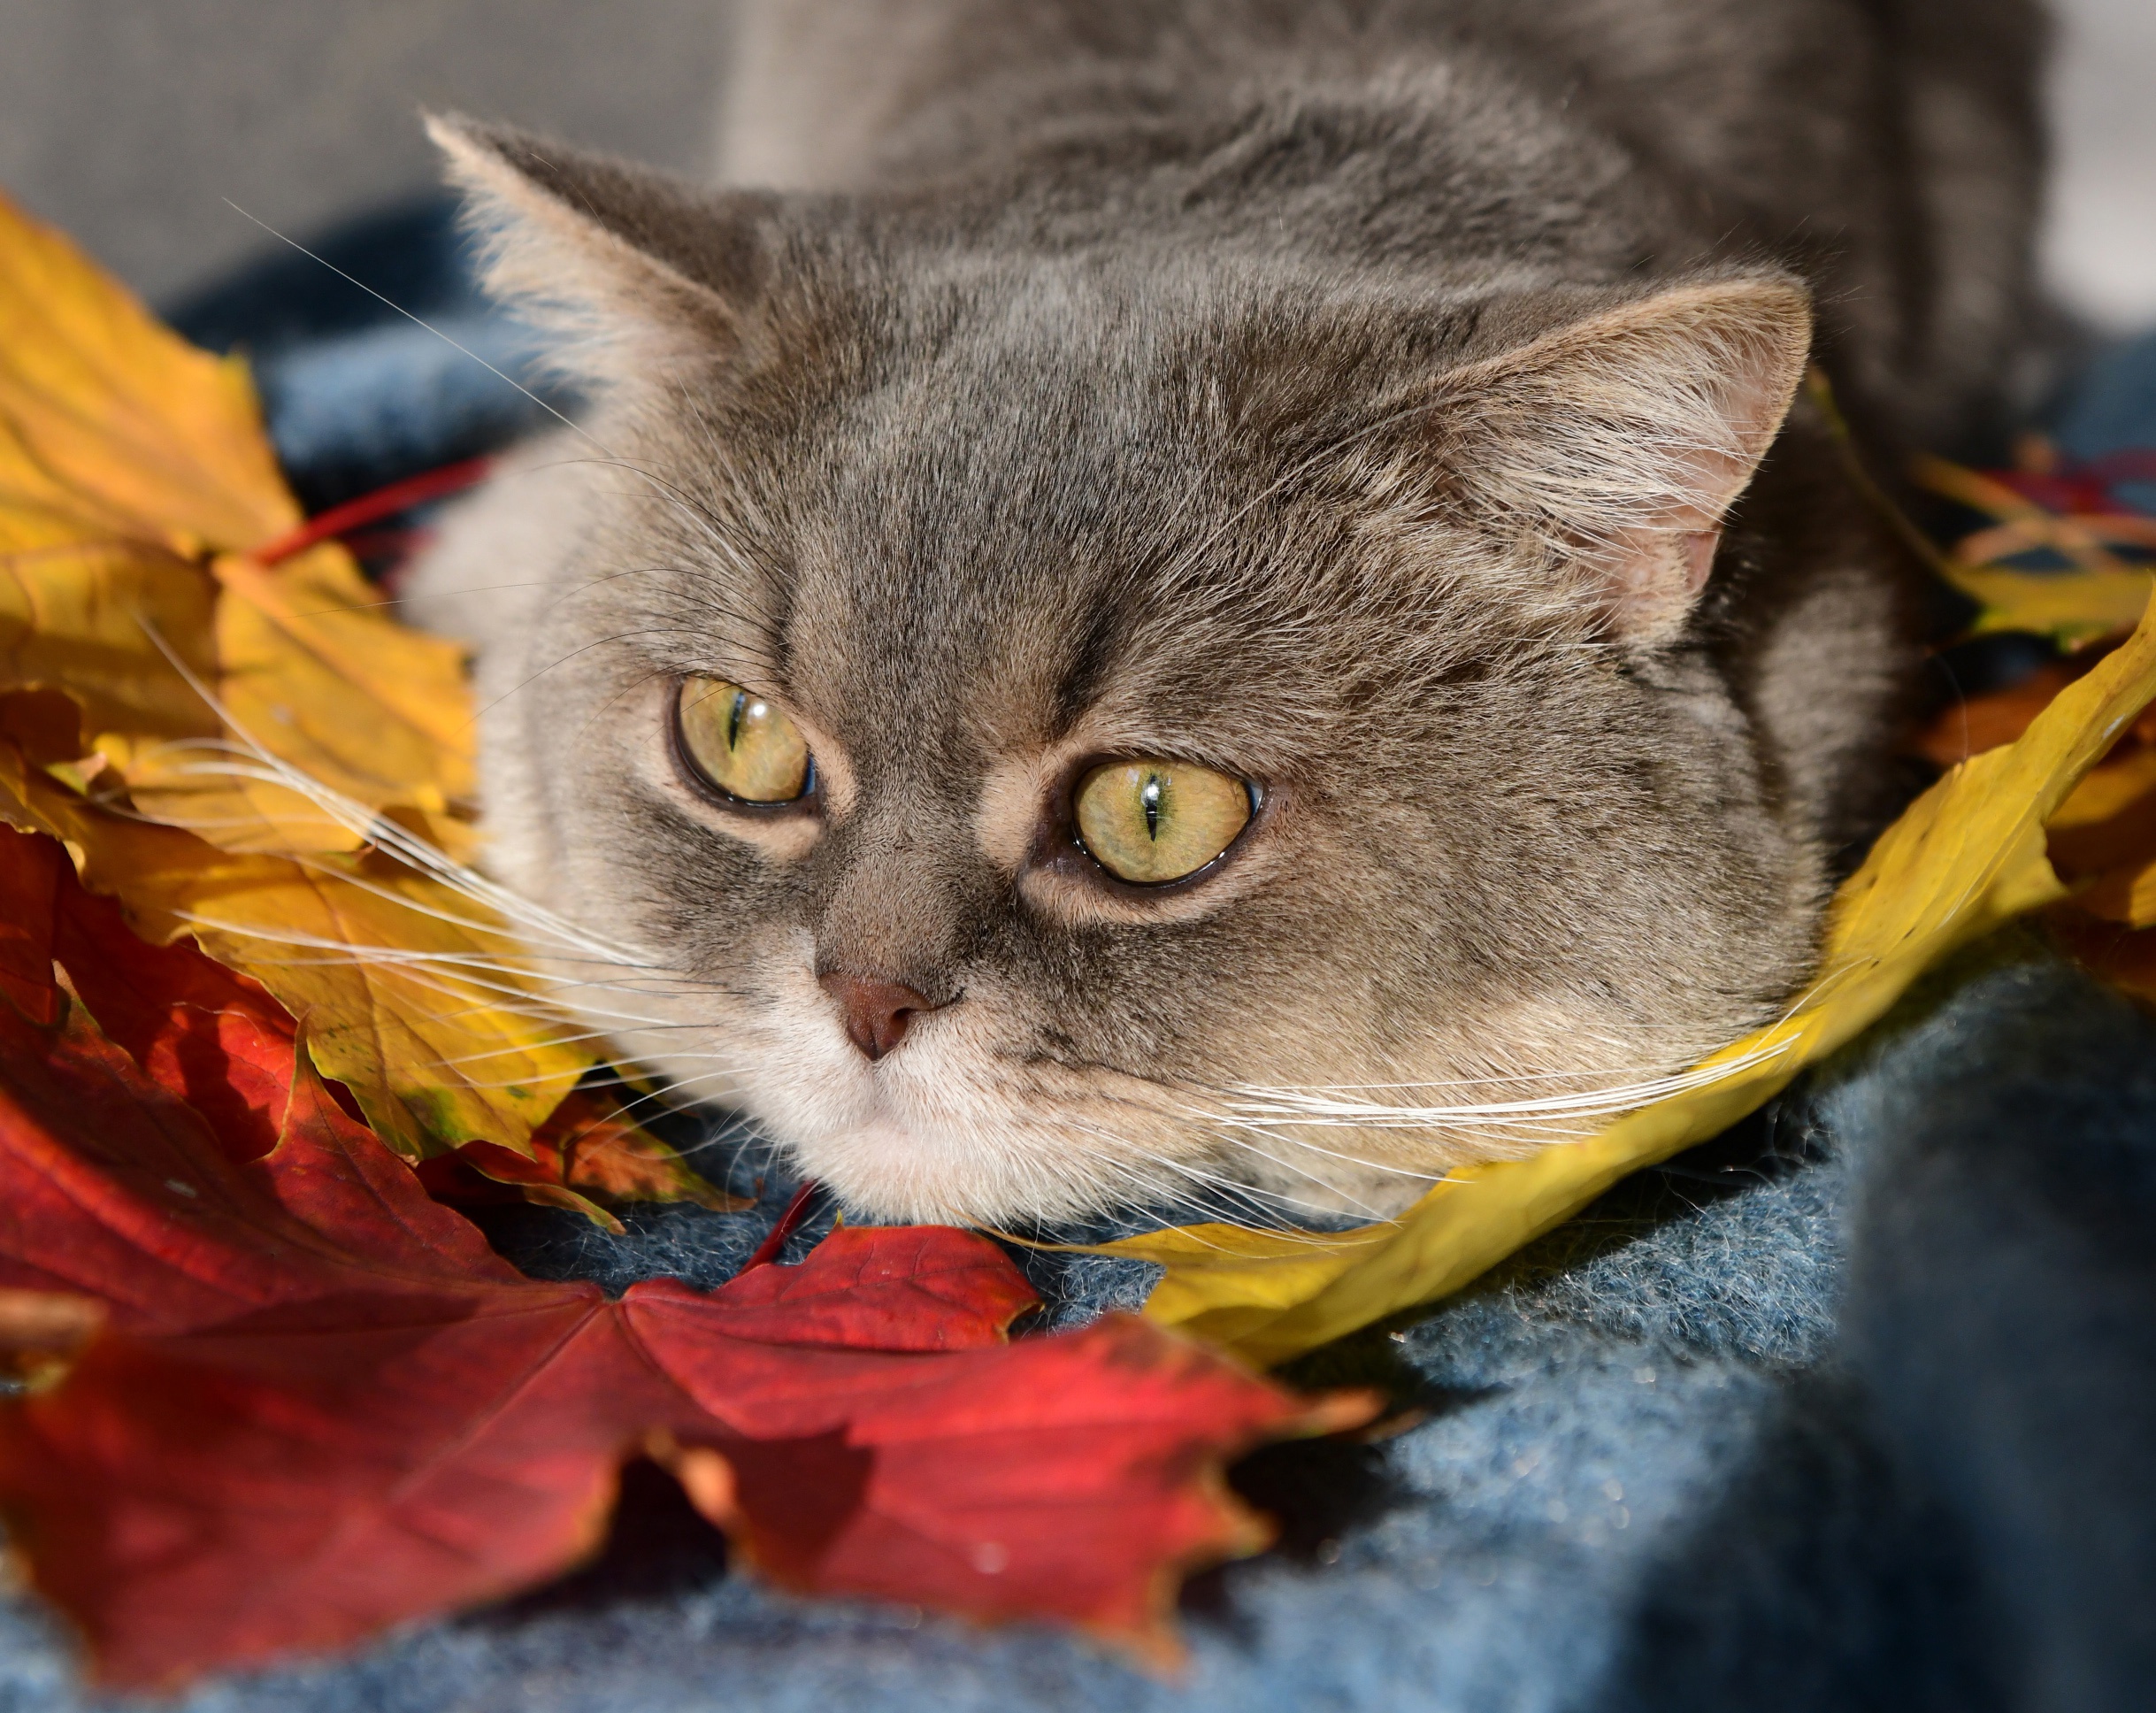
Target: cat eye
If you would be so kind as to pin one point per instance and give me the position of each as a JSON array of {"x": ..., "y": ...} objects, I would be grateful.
[
  {"x": 1150, "y": 822},
  {"x": 739, "y": 744}
]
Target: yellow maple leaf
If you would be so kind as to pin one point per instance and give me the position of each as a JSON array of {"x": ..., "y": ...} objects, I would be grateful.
[
  {"x": 310, "y": 671},
  {"x": 2072, "y": 606},
  {"x": 1967, "y": 857},
  {"x": 258, "y": 743},
  {"x": 111, "y": 428},
  {"x": 134, "y": 478}
]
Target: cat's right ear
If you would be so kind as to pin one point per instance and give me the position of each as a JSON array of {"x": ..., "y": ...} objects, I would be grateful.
[
  {"x": 1616, "y": 444},
  {"x": 636, "y": 274}
]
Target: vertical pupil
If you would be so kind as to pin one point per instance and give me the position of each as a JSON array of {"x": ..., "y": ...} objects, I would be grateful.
[
  {"x": 734, "y": 720},
  {"x": 1149, "y": 798}
]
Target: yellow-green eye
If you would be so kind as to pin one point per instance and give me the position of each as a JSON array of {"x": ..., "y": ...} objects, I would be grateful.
[
  {"x": 738, "y": 743},
  {"x": 1152, "y": 821}
]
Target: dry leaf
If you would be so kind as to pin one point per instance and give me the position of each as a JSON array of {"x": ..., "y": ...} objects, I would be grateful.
[
  {"x": 589, "y": 1147},
  {"x": 111, "y": 428},
  {"x": 224, "y": 1044},
  {"x": 2072, "y": 606},
  {"x": 309, "y": 668},
  {"x": 2125, "y": 957},
  {"x": 134, "y": 476}
]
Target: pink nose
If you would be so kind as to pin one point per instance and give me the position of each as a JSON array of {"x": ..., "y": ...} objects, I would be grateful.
[{"x": 877, "y": 1013}]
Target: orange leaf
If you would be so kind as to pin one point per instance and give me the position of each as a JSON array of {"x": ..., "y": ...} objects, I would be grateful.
[{"x": 587, "y": 1154}]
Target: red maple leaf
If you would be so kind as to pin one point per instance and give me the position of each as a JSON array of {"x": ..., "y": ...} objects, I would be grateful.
[{"x": 280, "y": 1398}]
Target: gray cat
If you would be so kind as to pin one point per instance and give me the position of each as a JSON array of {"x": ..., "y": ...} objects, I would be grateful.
[{"x": 1216, "y": 593}]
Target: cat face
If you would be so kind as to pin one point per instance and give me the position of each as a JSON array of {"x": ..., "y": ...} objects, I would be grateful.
[{"x": 1066, "y": 730}]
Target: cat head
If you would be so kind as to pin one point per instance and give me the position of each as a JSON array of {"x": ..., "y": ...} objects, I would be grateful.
[{"x": 1075, "y": 722}]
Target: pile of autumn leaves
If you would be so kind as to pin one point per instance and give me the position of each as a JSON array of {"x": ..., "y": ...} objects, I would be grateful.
[{"x": 273, "y": 1397}]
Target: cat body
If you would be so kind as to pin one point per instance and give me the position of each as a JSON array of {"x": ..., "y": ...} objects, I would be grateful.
[{"x": 1376, "y": 410}]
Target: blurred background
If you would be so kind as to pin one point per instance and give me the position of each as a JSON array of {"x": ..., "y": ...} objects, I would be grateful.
[{"x": 130, "y": 121}]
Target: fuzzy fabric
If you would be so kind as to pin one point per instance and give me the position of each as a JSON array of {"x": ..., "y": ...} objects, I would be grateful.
[{"x": 1847, "y": 1409}]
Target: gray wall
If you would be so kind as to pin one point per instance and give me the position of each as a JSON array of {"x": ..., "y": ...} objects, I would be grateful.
[
  {"x": 2101, "y": 243},
  {"x": 130, "y": 121}
]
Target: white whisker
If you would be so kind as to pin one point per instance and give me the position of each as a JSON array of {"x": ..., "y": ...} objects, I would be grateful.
[
  {"x": 416, "y": 320},
  {"x": 1253, "y": 1104}
]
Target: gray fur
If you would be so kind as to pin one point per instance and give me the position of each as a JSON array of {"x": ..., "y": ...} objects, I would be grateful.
[{"x": 1326, "y": 394}]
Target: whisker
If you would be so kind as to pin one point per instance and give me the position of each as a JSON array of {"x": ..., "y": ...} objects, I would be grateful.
[
  {"x": 1313, "y": 1107},
  {"x": 573, "y": 427}
]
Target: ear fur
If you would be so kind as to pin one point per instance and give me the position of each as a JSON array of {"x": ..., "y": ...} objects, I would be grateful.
[
  {"x": 1621, "y": 440},
  {"x": 632, "y": 272}
]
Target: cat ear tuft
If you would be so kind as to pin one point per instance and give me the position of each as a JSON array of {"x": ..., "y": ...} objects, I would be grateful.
[
  {"x": 631, "y": 271},
  {"x": 1622, "y": 439}
]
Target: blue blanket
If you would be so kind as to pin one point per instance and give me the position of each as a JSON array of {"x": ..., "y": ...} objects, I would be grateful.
[{"x": 1852, "y": 1407}]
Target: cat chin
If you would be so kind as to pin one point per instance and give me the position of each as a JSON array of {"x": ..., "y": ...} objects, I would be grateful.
[
  {"x": 894, "y": 1170},
  {"x": 910, "y": 1142},
  {"x": 890, "y": 1171},
  {"x": 923, "y": 1146}
]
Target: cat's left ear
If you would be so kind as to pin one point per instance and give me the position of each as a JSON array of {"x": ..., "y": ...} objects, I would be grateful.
[
  {"x": 635, "y": 274},
  {"x": 1621, "y": 440}
]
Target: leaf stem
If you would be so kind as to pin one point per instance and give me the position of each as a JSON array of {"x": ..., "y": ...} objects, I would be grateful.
[
  {"x": 1821, "y": 393},
  {"x": 373, "y": 508},
  {"x": 789, "y": 1222}
]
